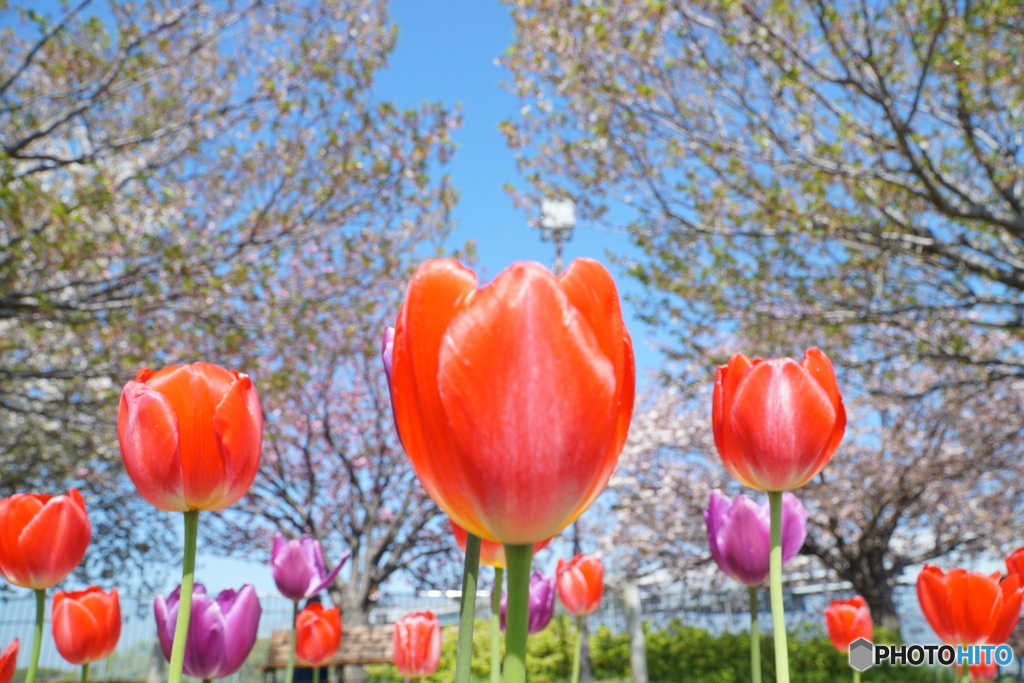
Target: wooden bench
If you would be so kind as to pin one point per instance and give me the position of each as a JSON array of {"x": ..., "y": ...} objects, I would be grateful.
[{"x": 359, "y": 645}]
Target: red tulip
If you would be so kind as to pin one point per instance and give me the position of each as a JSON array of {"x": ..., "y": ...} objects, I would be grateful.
[
  {"x": 978, "y": 673},
  {"x": 846, "y": 621},
  {"x": 777, "y": 422},
  {"x": 491, "y": 554},
  {"x": 513, "y": 400},
  {"x": 42, "y": 538},
  {"x": 969, "y": 608},
  {"x": 317, "y": 633},
  {"x": 1015, "y": 562},
  {"x": 580, "y": 584},
  {"x": 417, "y": 644},
  {"x": 9, "y": 662},
  {"x": 86, "y": 624},
  {"x": 190, "y": 436}
]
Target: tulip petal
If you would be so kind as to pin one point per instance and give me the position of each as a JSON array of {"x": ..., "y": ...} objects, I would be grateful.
[
  {"x": 519, "y": 339},
  {"x": 329, "y": 578},
  {"x": 205, "y": 646},
  {"x": 794, "y": 526},
  {"x": 727, "y": 379},
  {"x": 238, "y": 426},
  {"x": 438, "y": 289},
  {"x": 591, "y": 290},
  {"x": 934, "y": 597},
  {"x": 195, "y": 391},
  {"x": 1008, "y": 616},
  {"x": 782, "y": 420},
  {"x": 166, "y": 614},
  {"x": 744, "y": 541},
  {"x": 976, "y": 603},
  {"x": 16, "y": 512},
  {"x": 9, "y": 662},
  {"x": 147, "y": 429},
  {"x": 242, "y": 613},
  {"x": 714, "y": 520}
]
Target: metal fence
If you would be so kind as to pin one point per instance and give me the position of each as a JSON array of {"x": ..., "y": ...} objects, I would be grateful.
[{"x": 138, "y": 655}]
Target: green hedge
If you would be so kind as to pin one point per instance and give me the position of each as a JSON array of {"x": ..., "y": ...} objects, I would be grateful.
[{"x": 677, "y": 654}]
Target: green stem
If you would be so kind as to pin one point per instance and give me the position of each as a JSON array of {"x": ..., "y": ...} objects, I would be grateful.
[
  {"x": 37, "y": 641},
  {"x": 316, "y": 675},
  {"x": 517, "y": 610},
  {"x": 85, "y": 673},
  {"x": 775, "y": 587},
  {"x": 499, "y": 575},
  {"x": 289, "y": 673},
  {"x": 755, "y": 638},
  {"x": 467, "y": 610},
  {"x": 967, "y": 674},
  {"x": 856, "y": 676},
  {"x": 188, "y": 571},
  {"x": 577, "y": 655}
]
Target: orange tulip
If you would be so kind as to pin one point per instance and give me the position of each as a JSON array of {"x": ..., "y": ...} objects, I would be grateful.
[
  {"x": 580, "y": 584},
  {"x": 317, "y": 633},
  {"x": 512, "y": 400},
  {"x": 190, "y": 436},
  {"x": 491, "y": 554},
  {"x": 86, "y": 624},
  {"x": 9, "y": 662},
  {"x": 846, "y": 621},
  {"x": 42, "y": 538},
  {"x": 969, "y": 608},
  {"x": 417, "y": 644},
  {"x": 777, "y": 422}
]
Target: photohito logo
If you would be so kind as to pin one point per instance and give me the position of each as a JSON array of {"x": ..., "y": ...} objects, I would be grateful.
[{"x": 864, "y": 654}]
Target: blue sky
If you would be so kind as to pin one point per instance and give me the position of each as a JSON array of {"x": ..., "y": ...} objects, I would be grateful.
[{"x": 446, "y": 52}]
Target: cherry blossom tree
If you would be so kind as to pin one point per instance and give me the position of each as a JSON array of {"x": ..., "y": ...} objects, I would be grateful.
[
  {"x": 792, "y": 166},
  {"x": 915, "y": 480},
  {"x": 166, "y": 169}
]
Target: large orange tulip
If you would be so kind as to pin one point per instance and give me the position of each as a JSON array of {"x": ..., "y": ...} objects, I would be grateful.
[
  {"x": 969, "y": 608},
  {"x": 777, "y": 422},
  {"x": 512, "y": 400},
  {"x": 42, "y": 538},
  {"x": 491, "y": 554},
  {"x": 580, "y": 583},
  {"x": 848, "y": 620},
  {"x": 9, "y": 662},
  {"x": 86, "y": 624},
  {"x": 190, "y": 436},
  {"x": 317, "y": 633}
]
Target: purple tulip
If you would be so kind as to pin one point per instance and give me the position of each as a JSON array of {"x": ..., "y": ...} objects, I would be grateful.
[
  {"x": 221, "y": 632},
  {"x": 299, "y": 569},
  {"x": 542, "y": 602},
  {"x": 386, "y": 347},
  {"x": 739, "y": 534}
]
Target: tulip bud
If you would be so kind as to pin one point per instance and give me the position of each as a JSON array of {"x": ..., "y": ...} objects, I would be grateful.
[
  {"x": 299, "y": 569},
  {"x": 542, "y": 603},
  {"x": 739, "y": 535},
  {"x": 86, "y": 624},
  {"x": 580, "y": 584},
  {"x": 190, "y": 436},
  {"x": 221, "y": 632},
  {"x": 42, "y": 538},
  {"x": 846, "y": 621},
  {"x": 417, "y": 644},
  {"x": 317, "y": 633},
  {"x": 777, "y": 422}
]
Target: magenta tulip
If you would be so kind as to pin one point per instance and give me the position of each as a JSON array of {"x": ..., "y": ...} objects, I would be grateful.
[
  {"x": 299, "y": 568},
  {"x": 740, "y": 539}
]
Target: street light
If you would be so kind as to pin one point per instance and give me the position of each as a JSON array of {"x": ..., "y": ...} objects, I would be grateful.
[{"x": 557, "y": 219}]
